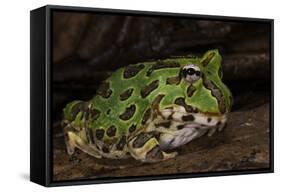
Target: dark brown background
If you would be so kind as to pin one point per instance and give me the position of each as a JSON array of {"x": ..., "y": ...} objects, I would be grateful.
[{"x": 88, "y": 47}]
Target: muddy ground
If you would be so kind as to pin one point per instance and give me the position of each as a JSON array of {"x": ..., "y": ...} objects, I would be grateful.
[{"x": 243, "y": 144}]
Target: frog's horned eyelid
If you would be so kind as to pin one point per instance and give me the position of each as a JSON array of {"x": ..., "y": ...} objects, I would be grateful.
[{"x": 191, "y": 66}]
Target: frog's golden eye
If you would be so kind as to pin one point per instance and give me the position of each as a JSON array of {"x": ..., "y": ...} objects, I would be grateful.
[{"x": 191, "y": 73}]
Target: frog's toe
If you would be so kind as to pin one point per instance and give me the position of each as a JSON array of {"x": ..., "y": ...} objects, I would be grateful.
[
  {"x": 156, "y": 154},
  {"x": 212, "y": 131},
  {"x": 222, "y": 126},
  {"x": 170, "y": 155},
  {"x": 70, "y": 147}
]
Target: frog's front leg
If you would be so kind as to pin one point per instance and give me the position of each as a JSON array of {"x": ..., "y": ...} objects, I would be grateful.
[
  {"x": 145, "y": 147},
  {"x": 220, "y": 125}
]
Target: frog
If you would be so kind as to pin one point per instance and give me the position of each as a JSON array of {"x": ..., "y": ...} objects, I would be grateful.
[{"x": 147, "y": 110}]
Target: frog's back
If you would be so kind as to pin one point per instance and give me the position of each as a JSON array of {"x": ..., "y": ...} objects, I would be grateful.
[{"x": 124, "y": 99}]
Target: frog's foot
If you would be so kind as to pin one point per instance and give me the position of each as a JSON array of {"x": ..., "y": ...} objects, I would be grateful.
[
  {"x": 212, "y": 131},
  {"x": 219, "y": 127},
  {"x": 145, "y": 147},
  {"x": 73, "y": 140}
]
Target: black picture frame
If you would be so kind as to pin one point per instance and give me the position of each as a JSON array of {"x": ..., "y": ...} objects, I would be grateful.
[{"x": 41, "y": 90}]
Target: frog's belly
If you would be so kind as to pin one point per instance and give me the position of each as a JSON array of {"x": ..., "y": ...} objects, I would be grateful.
[
  {"x": 185, "y": 127},
  {"x": 180, "y": 137}
]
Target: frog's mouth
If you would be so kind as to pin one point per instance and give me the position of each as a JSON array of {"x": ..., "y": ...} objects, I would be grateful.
[
  {"x": 208, "y": 121},
  {"x": 183, "y": 119}
]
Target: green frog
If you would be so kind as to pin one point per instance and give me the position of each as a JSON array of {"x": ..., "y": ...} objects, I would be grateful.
[{"x": 147, "y": 110}]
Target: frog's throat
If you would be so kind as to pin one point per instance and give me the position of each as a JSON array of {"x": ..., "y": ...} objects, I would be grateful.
[{"x": 180, "y": 127}]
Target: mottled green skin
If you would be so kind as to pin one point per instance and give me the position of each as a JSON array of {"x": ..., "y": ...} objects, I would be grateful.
[{"x": 202, "y": 99}]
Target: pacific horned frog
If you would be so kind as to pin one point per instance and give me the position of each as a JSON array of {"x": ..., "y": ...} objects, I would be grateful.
[{"x": 142, "y": 110}]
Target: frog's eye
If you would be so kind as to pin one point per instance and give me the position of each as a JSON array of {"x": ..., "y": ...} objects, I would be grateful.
[{"x": 191, "y": 73}]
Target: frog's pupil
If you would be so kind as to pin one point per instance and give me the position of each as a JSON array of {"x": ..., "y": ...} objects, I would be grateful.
[{"x": 190, "y": 71}]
